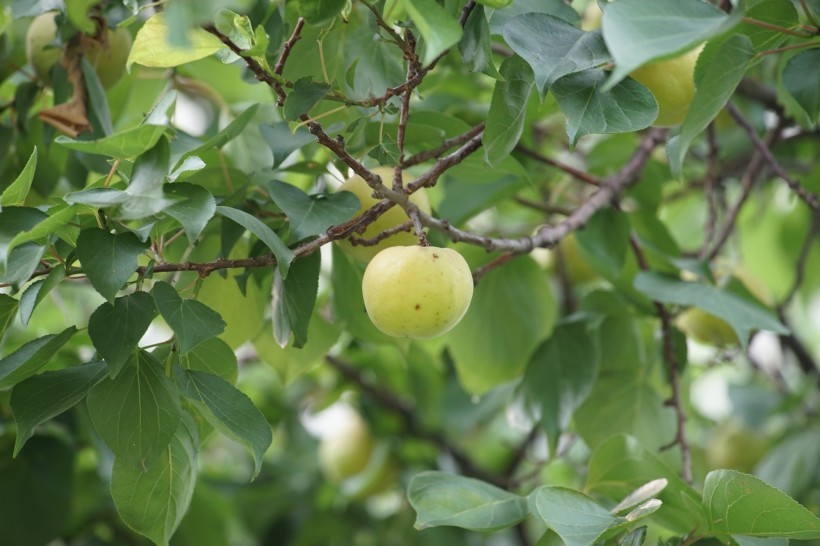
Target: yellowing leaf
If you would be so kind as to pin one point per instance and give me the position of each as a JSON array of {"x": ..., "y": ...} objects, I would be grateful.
[{"x": 152, "y": 48}]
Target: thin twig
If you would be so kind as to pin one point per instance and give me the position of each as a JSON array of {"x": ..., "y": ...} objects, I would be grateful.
[
  {"x": 770, "y": 26},
  {"x": 286, "y": 49},
  {"x": 673, "y": 369},
  {"x": 438, "y": 151},
  {"x": 580, "y": 175},
  {"x": 809, "y": 198},
  {"x": 709, "y": 183},
  {"x": 549, "y": 208},
  {"x": 802, "y": 259},
  {"x": 404, "y": 226},
  {"x": 492, "y": 264}
]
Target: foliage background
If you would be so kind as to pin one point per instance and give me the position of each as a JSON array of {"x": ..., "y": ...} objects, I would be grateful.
[{"x": 193, "y": 221}]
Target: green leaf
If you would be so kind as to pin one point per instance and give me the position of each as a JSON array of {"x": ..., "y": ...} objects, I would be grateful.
[
  {"x": 623, "y": 391},
  {"x": 294, "y": 299},
  {"x": 715, "y": 85},
  {"x": 742, "y": 314},
  {"x": 41, "y": 397},
  {"x": 561, "y": 373},
  {"x": 606, "y": 238},
  {"x": 780, "y": 13},
  {"x": 348, "y": 305},
  {"x": 228, "y": 409},
  {"x": 741, "y": 504},
  {"x": 312, "y": 214},
  {"x": 575, "y": 517},
  {"x": 115, "y": 329},
  {"x": 637, "y": 32},
  {"x": 505, "y": 120},
  {"x": 284, "y": 255},
  {"x": 801, "y": 78},
  {"x": 282, "y": 141},
  {"x": 16, "y": 221},
  {"x": 589, "y": 109},
  {"x": 196, "y": 207},
  {"x": 317, "y": 12},
  {"x": 108, "y": 259},
  {"x": 38, "y": 490},
  {"x": 28, "y": 359},
  {"x": 15, "y": 194},
  {"x": 512, "y": 311},
  {"x": 213, "y": 356},
  {"x": 306, "y": 93},
  {"x": 8, "y": 309},
  {"x": 152, "y": 48},
  {"x": 58, "y": 217},
  {"x": 475, "y": 44},
  {"x": 439, "y": 29},
  {"x": 138, "y": 412},
  {"x": 230, "y": 132},
  {"x": 621, "y": 464},
  {"x": 553, "y": 47},
  {"x": 499, "y": 17},
  {"x": 152, "y": 500},
  {"x": 36, "y": 292},
  {"x": 121, "y": 145},
  {"x": 447, "y": 499},
  {"x": 792, "y": 463},
  {"x": 192, "y": 321}
]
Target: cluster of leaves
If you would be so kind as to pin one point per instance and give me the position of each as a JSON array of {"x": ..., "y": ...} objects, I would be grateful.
[{"x": 137, "y": 257}]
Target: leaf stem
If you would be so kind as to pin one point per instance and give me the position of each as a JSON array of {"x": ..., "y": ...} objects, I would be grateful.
[{"x": 778, "y": 28}]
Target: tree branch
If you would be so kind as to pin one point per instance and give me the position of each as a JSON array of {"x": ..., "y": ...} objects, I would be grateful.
[{"x": 673, "y": 369}]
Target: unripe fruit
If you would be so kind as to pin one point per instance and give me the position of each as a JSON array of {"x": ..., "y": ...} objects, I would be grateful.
[
  {"x": 415, "y": 291},
  {"x": 390, "y": 219},
  {"x": 346, "y": 451},
  {"x": 591, "y": 18},
  {"x": 735, "y": 446},
  {"x": 673, "y": 84},
  {"x": 577, "y": 268},
  {"x": 108, "y": 59},
  {"x": 706, "y": 328}
]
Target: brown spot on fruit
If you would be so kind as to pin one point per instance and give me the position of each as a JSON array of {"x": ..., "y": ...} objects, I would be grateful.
[
  {"x": 435, "y": 256},
  {"x": 418, "y": 306}
]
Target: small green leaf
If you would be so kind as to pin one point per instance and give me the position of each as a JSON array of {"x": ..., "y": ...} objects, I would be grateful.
[
  {"x": 742, "y": 314},
  {"x": 512, "y": 311},
  {"x": 121, "y": 145},
  {"x": 153, "y": 499},
  {"x": 505, "y": 120},
  {"x": 213, "y": 356},
  {"x": 58, "y": 217},
  {"x": 439, "y": 29},
  {"x": 28, "y": 359},
  {"x": 801, "y": 78},
  {"x": 284, "y": 255},
  {"x": 15, "y": 194},
  {"x": 16, "y": 221},
  {"x": 575, "y": 517},
  {"x": 637, "y": 32},
  {"x": 626, "y": 107},
  {"x": 499, "y": 17},
  {"x": 115, "y": 329},
  {"x": 294, "y": 299},
  {"x": 553, "y": 47},
  {"x": 561, "y": 373},
  {"x": 138, "y": 412},
  {"x": 196, "y": 207},
  {"x": 606, "y": 238},
  {"x": 312, "y": 214},
  {"x": 741, "y": 504},
  {"x": 317, "y": 12},
  {"x": 152, "y": 48},
  {"x": 228, "y": 409},
  {"x": 282, "y": 141},
  {"x": 231, "y": 131},
  {"x": 191, "y": 320},
  {"x": 448, "y": 499},
  {"x": 108, "y": 259},
  {"x": 41, "y": 397},
  {"x": 36, "y": 291},
  {"x": 306, "y": 93},
  {"x": 8, "y": 309},
  {"x": 715, "y": 85},
  {"x": 475, "y": 44}
]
